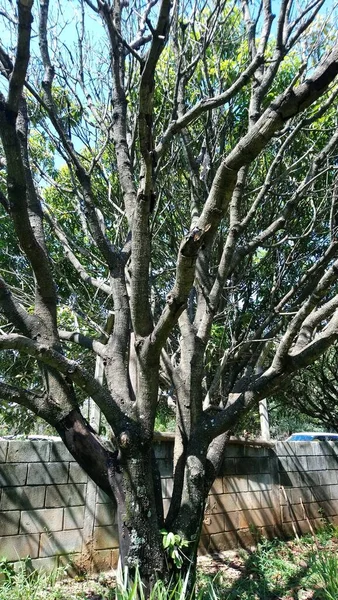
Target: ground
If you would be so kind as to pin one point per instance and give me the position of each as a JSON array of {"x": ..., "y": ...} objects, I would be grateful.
[{"x": 298, "y": 569}]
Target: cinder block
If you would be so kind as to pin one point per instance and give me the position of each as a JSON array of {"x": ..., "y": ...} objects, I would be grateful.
[
  {"x": 257, "y": 451},
  {"x": 221, "y": 503},
  {"x": 249, "y": 500},
  {"x": 3, "y": 450},
  {"x": 13, "y": 474},
  {"x": 231, "y": 521},
  {"x": 73, "y": 517},
  {"x": 328, "y": 508},
  {"x": 102, "y": 497},
  {"x": 302, "y": 479},
  {"x": 329, "y": 477},
  {"x": 331, "y": 462},
  {"x": 235, "y": 484},
  {"x": 76, "y": 474},
  {"x": 312, "y": 510},
  {"x": 269, "y": 532},
  {"x": 167, "y": 485},
  {"x": 294, "y": 463},
  {"x": 105, "y": 514},
  {"x": 333, "y": 494},
  {"x": 294, "y": 512},
  {"x": 105, "y": 537},
  {"x": 48, "y": 473},
  {"x": 47, "y": 565},
  {"x": 294, "y": 495},
  {"x": 328, "y": 448},
  {"x": 115, "y": 558},
  {"x": 321, "y": 492},
  {"x": 213, "y": 524},
  {"x": 267, "y": 498},
  {"x": 15, "y": 547},
  {"x": 65, "y": 495},
  {"x": 204, "y": 545},
  {"x": 61, "y": 542},
  {"x": 265, "y": 465},
  {"x": 246, "y": 466},
  {"x": 163, "y": 449},
  {"x": 165, "y": 467},
  {"x": 257, "y": 518},
  {"x": 27, "y": 451},
  {"x": 260, "y": 481},
  {"x": 35, "y": 521},
  {"x": 284, "y": 449},
  {"x": 317, "y": 449},
  {"x": 23, "y": 497},
  {"x": 234, "y": 450},
  {"x": 223, "y": 541},
  {"x": 217, "y": 486},
  {"x": 247, "y": 538},
  {"x": 9, "y": 523},
  {"x": 301, "y": 527},
  {"x": 58, "y": 452},
  {"x": 102, "y": 560},
  {"x": 306, "y": 448},
  {"x": 316, "y": 463},
  {"x": 73, "y": 564},
  {"x": 229, "y": 465},
  {"x": 166, "y": 505}
]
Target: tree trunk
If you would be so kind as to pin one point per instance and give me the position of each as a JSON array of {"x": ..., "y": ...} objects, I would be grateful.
[{"x": 140, "y": 520}]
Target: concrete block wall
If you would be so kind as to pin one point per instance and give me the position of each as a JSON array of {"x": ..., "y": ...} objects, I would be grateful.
[
  {"x": 308, "y": 477},
  {"x": 51, "y": 511},
  {"x": 43, "y": 509},
  {"x": 243, "y": 503}
]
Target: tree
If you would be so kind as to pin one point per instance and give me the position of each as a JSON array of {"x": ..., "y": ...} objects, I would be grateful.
[
  {"x": 169, "y": 204},
  {"x": 313, "y": 392}
]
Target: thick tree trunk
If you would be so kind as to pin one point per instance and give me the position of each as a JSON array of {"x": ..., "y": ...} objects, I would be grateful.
[
  {"x": 130, "y": 476},
  {"x": 132, "y": 480},
  {"x": 140, "y": 520}
]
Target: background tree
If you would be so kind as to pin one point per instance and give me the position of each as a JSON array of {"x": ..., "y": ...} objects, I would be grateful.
[
  {"x": 169, "y": 205},
  {"x": 314, "y": 393}
]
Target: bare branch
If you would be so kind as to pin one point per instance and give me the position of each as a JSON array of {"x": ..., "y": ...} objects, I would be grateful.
[
  {"x": 69, "y": 368},
  {"x": 85, "y": 276},
  {"x": 82, "y": 340},
  {"x": 18, "y": 75}
]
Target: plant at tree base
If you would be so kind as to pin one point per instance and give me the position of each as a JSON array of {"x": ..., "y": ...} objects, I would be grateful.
[{"x": 169, "y": 222}]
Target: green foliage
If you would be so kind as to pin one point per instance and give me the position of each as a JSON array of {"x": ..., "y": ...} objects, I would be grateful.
[
  {"x": 134, "y": 589},
  {"x": 278, "y": 569},
  {"x": 22, "y": 582},
  {"x": 326, "y": 569},
  {"x": 173, "y": 544},
  {"x": 165, "y": 419}
]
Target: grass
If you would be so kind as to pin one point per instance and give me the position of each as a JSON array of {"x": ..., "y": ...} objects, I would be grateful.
[
  {"x": 277, "y": 570},
  {"x": 301, "y": 569}
]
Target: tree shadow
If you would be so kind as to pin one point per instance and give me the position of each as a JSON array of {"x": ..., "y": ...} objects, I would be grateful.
[{"x": 258, "y": 577}]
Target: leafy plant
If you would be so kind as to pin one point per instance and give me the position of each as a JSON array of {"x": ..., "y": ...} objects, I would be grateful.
[
  {"x": 173, "y": 544},
  {"x": 22, "y": 582},
  {"x": 325, "y": 565}
]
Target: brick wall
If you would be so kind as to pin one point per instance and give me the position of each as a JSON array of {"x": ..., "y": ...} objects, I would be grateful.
[
  {"x": 51, "y": 511},
  {"x": 43, "y": 509},
  {"x": 285, "y": 489}
]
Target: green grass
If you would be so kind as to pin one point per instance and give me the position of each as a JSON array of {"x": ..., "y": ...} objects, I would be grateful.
[
  {"x": 276, "y": 570},
  {"x": 281, "y": 570}
]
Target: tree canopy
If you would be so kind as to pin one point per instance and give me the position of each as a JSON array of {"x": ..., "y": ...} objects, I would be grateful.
[{"x": 169, "y": 212}]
